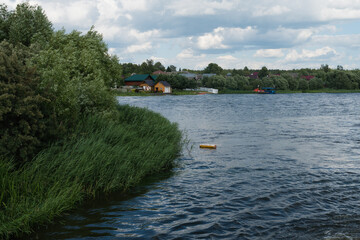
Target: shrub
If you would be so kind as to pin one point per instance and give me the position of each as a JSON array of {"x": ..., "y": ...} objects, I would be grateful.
[{"x": 22, "y": 125}]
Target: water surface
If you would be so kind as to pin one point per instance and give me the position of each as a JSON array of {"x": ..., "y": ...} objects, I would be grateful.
[{"x": 286, "y": 167}]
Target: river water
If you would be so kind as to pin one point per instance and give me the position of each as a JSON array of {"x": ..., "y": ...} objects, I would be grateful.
[{"x": 287, "y": 166}]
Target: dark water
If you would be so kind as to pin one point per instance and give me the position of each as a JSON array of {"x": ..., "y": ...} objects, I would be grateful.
[{"x": 286, "y": 167}]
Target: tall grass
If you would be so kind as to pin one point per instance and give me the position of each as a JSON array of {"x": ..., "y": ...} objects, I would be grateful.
[{"x": 101, "y": 157}]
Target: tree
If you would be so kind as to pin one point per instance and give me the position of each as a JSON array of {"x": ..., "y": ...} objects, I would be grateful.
[
  {"x": 246, "y": 71},
  {"x": 159, "y": 66},
  {"x": 303, "y": 85},
  {"x": 22, "y": 119},
  {"x": 75, "y": 67},
  {"x": 316, "y": 83},
  {"x": 28, "y": 25},
  {"x": 4, "y": 22},
  {"x": 263, "y": 72},
  {"x": 325, "y": 68},
  {"x": 171, "y": 68},
  {"x": 213, "y": 68}
]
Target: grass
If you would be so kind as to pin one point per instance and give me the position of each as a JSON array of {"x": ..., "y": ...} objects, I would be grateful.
[{"x": 101, "y": 157}]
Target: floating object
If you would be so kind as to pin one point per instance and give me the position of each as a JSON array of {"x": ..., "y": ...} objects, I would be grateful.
[
  {"x": 265, "y": 90},
  {"x": 212, "y": 146}
]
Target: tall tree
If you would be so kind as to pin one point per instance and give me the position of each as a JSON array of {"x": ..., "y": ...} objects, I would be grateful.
[
  {"x": 213, "y": 68},
  {"x": 29, "y": 24},
  {"x": 263, "y": 72},
  {"x": 4, "y": 22}
]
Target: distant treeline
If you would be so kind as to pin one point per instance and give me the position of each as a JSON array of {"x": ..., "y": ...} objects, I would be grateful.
[{"x": 248, "y": 79}]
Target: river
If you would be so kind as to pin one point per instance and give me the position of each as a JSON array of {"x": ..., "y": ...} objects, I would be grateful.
[{"x": 287, "y": 166}]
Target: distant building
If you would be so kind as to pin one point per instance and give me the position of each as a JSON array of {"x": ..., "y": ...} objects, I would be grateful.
[
  {"x": 254, "y": 75},
  {"x": 189, "y": 75},
  {"x": 138, "y": 79},
  {"x": 208, "y": 75},
  {"x": 148, "y": 85},
  {"x": 308, "y": 77},
  {"x": 159, "y": 72},
  {"x": 162, "y": 86}
]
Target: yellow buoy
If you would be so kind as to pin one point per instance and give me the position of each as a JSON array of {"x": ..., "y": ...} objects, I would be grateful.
[{"x": 212, "y": 146}]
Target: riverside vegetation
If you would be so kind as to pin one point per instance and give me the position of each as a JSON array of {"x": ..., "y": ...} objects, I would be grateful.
[{"x": 63, "y": 137}]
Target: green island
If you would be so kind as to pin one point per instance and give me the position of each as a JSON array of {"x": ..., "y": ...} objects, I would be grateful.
[{"x": 65, "y": 140}]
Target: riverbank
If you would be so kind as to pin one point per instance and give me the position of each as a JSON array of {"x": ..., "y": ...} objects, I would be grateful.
[
  {"x": 228, "y": 91},
  {"x": 101, "y": 157}
]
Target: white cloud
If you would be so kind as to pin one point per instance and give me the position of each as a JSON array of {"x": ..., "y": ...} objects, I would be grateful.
[
  {"x": 198, "y": 7},
  {"x": 212, "y": 40},
  {"x": 227, "y": 58},
  {"x": 269, "y": 53},
  {"x": 272, "y": 11},
  {"x": 321, "y": 53},
  {"x": 140, "y": 48}
]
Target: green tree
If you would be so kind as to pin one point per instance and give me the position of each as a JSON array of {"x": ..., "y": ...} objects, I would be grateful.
[
  {"x": 22, "y": 121},
  {"x": 292, "y": 81},
  {"x": 159, "y": 66},
  {"x": 75, "y": 68},
  {"x": 4, "y": 22},
  {"x": 316, "y": 83},
  {"x": 242, "y": 82},
  {"x": 213, "y": 68},
  {"x": 303, "y": 84},
  {"x": 28, "y": 24},
  {"x": 246, "y": 71},
  {"x": 263, "y": 72}
]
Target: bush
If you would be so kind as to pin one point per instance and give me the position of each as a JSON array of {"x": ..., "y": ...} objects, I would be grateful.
[{"x": 22, "y": 124}]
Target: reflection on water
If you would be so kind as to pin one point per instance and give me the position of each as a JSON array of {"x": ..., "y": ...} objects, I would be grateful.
[{"x": 286, "y": 167}]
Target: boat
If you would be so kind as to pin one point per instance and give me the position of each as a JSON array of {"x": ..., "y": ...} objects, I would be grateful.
[{"x": 265, "y": 90}]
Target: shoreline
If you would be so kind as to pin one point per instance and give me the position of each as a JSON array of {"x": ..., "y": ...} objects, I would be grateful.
[
  {"x": 180, "y": 92},
  {"x": 101, "y": 157}
]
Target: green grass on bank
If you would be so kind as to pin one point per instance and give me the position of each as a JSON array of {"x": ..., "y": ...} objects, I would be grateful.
[{"x": 101, "y": 157}]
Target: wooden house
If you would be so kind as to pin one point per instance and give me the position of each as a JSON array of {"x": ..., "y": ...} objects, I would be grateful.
[
  {"x": 138, "y": 79},
  {"x": 163, "y": 87},
  {"x": 148, "y": 85}
]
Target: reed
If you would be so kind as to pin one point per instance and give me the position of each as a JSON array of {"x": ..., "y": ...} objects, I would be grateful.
[{"x": 101, "y": 157}]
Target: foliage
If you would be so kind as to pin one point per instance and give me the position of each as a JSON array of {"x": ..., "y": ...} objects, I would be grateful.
[
  {"x": 316, "y": 83},
  {"x": 27, "y": 25},
  {"x": 213, "y": 68},
  {"x": 103, "y": 156},
  {"x": 303, "y": 85},
  {"x": 177, "y": 81},
  {"x": 77, "y": 70},
  {"x": 263, "y": 72},
  {"x": 22, "y": 124}
]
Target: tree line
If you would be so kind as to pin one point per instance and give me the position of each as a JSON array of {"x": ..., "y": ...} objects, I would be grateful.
[{"x": 302, "y": 79}]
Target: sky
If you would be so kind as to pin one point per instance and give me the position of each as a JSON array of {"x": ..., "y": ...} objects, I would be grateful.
[{"x": 278, "y": 34}]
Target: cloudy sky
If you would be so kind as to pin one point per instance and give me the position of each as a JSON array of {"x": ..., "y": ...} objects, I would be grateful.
[{"x": 278, "y": 34}]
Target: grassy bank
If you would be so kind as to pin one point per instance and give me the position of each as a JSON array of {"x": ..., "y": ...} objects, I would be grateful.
[{"x": 101, "y": 157}]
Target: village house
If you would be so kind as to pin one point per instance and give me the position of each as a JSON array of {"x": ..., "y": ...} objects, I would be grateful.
[
  {"x": 138, "y": 79},
  {"x": 148, "y": 85},
  {"x": 163, "y": 87}
]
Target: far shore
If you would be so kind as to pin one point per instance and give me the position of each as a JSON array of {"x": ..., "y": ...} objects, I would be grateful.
[{"x": 227, "y": 91}]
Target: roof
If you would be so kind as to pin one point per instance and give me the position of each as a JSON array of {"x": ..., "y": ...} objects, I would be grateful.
[
  {"x": 151, "y": 83},
  {"x": 165, "y": 83},
  {"x": 140, "y": 77},
  {"x": 158, "y": 72},
  {"x": 309, "y": 77}
]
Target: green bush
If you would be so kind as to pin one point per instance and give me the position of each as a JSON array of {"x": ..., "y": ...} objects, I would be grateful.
[{"x": 22, "y": 124}]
